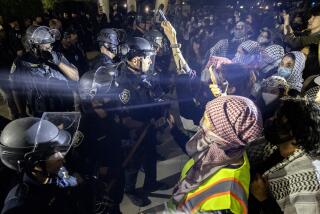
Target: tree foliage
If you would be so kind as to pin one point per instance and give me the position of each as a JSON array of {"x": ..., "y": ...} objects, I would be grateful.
[{"x": 21, "y": 8}]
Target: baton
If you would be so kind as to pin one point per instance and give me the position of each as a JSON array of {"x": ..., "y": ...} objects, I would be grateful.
[{"x": 162, "y": 15}]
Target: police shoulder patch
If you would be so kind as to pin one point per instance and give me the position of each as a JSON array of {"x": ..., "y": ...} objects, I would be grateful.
[
  {"x": 124, "y": 96},
  {"x": 77, "y": 139}
]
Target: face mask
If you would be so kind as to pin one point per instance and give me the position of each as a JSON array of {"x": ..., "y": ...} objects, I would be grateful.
[
  {"x": 269, "y": 98},
  {"x": 262, "y": 40},
  {"x": 284, "y": 72}
]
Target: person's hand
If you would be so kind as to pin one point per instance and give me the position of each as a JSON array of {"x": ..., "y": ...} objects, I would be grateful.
[
  {"x": 56, "y": 59},
  {"x": 286, "y": 18},
  {"x": 259, "y": 188},
  {"x": 305, "y": 51},
  {"x": 169, "y": 31},
  {"x": 171, "y": 121}
]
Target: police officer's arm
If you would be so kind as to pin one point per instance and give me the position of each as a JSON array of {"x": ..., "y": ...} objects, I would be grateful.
[
  {"x": 67, "y": 68},
  {"x": 70, "y": 71},
  {"x": 182, "y": 65}
]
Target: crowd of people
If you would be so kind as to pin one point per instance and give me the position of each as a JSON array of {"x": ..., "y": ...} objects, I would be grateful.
[{"x": 239, "y": 92}]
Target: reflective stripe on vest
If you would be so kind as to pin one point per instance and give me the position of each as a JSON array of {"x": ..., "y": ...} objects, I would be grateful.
[{"x": 227, "y": 186}]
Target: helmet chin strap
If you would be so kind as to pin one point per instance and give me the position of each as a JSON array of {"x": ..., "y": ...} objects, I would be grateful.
[
  {"x": 112, "y": 50},
  {"x": 39, "y": 172}
]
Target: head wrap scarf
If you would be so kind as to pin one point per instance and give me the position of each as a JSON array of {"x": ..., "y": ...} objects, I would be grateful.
[
  {"x": 252, "y": 53},
  {"x": 295, "y": 80},
  {"x": 271, "y": 59},
  {"x": 233, "y": 123},
  {"x": 312, "y": 88},
  {"x": 240, "y": 35}
]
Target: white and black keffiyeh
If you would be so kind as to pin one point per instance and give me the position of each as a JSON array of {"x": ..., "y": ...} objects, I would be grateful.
[
  {"x": 252, "y": 51},
  {"x": 220, "y": 48},
  {"x": 272, "y": 56},
  {"x": 312, "y": 93},
  {"x": 295, "y": 183},
  {"x": 295, "y": 80},
  {"x": 275, "y": 82}
]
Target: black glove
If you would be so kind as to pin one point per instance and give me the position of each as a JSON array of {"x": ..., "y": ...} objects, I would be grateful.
[{"x": 55, "y": 58}]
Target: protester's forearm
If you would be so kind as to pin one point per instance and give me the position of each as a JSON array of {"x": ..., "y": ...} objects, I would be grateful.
[
  {"x": 70, "y": 72},
  {"x": 299, "y": 42},
  {"x": 181, "y": 64}
]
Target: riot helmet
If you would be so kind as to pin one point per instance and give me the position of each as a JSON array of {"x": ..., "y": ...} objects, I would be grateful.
[
  {"x": 155, "y": 37},
  {"x": 26, "y": 142},
  {"x": 140, "y": 48},
  {"x": 109, "y": 39},
  {"x": 94, "y": 84},
  {"x": 39, "y": 41},
  {"x": 36, "y": 35}
]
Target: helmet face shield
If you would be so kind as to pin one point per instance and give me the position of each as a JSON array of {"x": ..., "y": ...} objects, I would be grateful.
[
  {"x": 151, "y": 69},
  {"x": 40, "y": 35},
  {"x": 147, "y": 62},
  {"x": 63, "y": 132}
]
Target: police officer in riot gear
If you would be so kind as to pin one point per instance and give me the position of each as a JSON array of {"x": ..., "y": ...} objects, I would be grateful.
[
  {"x": 40, "y": 78},
  {"x": 36, "y": 148},
  {"x": 108, "y": 41},
  {"x": 101, "y": 147},
  {"x": 137, "y": 116},
  {"x": 156, "y": 39}
]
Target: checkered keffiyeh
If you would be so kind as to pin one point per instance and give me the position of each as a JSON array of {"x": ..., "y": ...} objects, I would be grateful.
[
  {"x": 272, "y": 56},
  {"x": 251, "y": 47},
  {"x": 295, "y": 80},
  {"x": 252, "y": 51},
  {"x": 220, "y": 48},
  {"x": 234, "y": 122},
  {"x": 276, "y": 52},
  {"x": 275, "y": 82},
  {"x": 235, "y": 119},
  {"x": 312, "y": 93}
]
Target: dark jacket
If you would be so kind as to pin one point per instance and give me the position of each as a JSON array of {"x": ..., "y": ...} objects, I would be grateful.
[
  {"x": 43, "y": 86},
  {"x": 33, "y": 197},
  {"x": 312, "y": 41}
]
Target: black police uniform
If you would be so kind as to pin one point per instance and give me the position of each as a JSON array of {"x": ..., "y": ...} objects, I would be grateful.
[
  {"x": 100, "y": 60},
  {"x": 41, "y": 83},
  {"x": 137, "y": 103},
  {"x": 32, "y": 197},
  {"x": 101, "y": 146}
]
